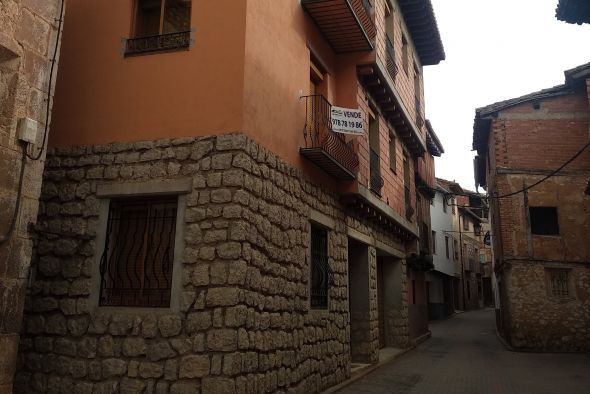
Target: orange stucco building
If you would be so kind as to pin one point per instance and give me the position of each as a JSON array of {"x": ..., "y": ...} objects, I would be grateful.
[{"x": 197, "y": 187}]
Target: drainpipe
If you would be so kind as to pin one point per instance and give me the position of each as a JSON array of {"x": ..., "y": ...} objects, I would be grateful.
[{"x": 461, "y": 259}]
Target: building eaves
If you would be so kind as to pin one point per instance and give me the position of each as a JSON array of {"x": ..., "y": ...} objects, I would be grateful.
[
  {"x": 432, "y": 142},
  {"x": 573, "y": 11},
  {"x": 451, "y": 186},
  {"x": 421, "y": 22},
  {"x": 483, "y": 115}
]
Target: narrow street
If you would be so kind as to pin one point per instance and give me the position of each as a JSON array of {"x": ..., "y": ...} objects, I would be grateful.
[{"x": 464, "y": 356}]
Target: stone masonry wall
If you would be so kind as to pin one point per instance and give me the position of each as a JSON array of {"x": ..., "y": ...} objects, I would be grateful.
[
  {"x": 27, "y": 39},
  {"x": 244, "y": 323},
  {"x": 541, "y": 322}
]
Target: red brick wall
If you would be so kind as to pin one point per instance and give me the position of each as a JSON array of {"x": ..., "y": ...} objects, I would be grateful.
[{"x": 524, "y": 138}]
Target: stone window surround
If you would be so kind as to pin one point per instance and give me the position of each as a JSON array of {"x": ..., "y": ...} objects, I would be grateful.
[
  {"x": 319, "y": 219},
  {"x": 105, "y": 192}
]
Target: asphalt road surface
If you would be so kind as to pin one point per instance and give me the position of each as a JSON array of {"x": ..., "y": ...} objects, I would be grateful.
[{"x": 464, "y": 356}]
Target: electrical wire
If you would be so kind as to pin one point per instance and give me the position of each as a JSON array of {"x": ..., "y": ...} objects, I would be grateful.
[
  {"x": 38, "y": 155},
  {"x": 12, "y": 224},
  {"x": 551, "y": 174},
  {"x": 4, "y": 238}
]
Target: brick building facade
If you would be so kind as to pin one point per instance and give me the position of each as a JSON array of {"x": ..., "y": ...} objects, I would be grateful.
[
  {"x": 540, "y": 233},
  {"x": 27, "y": 45}
]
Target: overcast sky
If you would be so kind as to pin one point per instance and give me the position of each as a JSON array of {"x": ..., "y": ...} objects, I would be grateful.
[{"x": 495, "y": 50}]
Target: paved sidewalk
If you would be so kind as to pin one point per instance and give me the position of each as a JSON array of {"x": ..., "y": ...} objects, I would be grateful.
[{"x": 464, "y": 356}]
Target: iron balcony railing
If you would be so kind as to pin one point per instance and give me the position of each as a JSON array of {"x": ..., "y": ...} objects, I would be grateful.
[
  {"x": 391, "y": 65},
  {"x": 318, "y": 135},
  {"x": 419, "y": 118},
  {"x": 158, "y": 43},
  {"x": 375, "y": 172}
]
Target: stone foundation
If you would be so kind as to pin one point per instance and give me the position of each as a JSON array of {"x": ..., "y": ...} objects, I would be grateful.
[
  {"x": 539, "y": 322},
  {"x": 243, "y": 321}
]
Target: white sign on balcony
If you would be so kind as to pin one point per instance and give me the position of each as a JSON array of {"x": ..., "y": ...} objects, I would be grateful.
[{"x": 347, "y": 121}]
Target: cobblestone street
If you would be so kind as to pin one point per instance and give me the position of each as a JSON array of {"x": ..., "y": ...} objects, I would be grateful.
[{"x": 464, "y": 356}]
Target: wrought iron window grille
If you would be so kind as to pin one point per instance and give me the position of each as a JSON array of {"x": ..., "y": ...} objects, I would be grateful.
[
  {"x": 559, "y": 283},
  {"x": 392, "y": 68},
  {"x": 167, "y": 42},
  {"x": 321, "y": 273},
  {"x": 137, "y": 260}
]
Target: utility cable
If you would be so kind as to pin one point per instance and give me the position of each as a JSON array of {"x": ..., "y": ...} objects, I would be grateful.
[
  {"x": 12, "y": 224},
  {"x": 38, "y": 155},
  {"x": 551, "y": 174},
  {"x": 4, "y": 238}
]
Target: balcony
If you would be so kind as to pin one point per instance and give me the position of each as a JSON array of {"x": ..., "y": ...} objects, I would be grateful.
[
  {"x": 375, "y": 173},
  {"x": 391, "y": 66},
  {"x": 158, "y": 43},
  {"x": 325, "y": 148},
  {"x": 347, "y": 25}
]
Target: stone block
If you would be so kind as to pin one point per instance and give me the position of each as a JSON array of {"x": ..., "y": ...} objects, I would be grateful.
[
  {"x": 218, "y": 385},
  {"x": 229, "y": 250},
  {"x": 132, "y": 386},
  {"x": 194, "y": 366},
  {"x": 134, "y": 347},
  {"x": 159, "y": 350},
  {"x": 112, "y": 367},
  {"x": 184, "y": 387},
  {"x": 225, "y": 340},
  {"x": 222, "y": 296},
  {"x": 170, "y": 325},
  {"x": 150, "y": 370},
  {"x": 198, "y": 321}
]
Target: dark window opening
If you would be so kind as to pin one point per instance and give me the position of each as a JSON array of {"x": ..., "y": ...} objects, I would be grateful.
[
  {"x": 154, "y": 17},
  {"x": 444, "y": 205},
  {"x": 413, "y": 291},
  {"x": 544, "y": 221},
  {"x": 447, "y": 246},
  {"x": 320, "y": 268},
  {"x": 136, "y": 263},
  {"x": 392, "y": 153},
  {"x": 434, "y": 242},
  {"x": 465, "y": 223}
]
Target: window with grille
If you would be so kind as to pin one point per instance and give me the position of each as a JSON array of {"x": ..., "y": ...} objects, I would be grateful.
[
  {"x": 137, "y": 260},
  {"x": 159, "y": 25},
  {"x": 558, "y": 283},
  {"x": 544, "y": 220},
  {"x": 321, "y": 273}
]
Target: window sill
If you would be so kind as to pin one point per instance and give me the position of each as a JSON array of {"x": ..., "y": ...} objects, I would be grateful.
[{"x": 163, "y": 43}]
